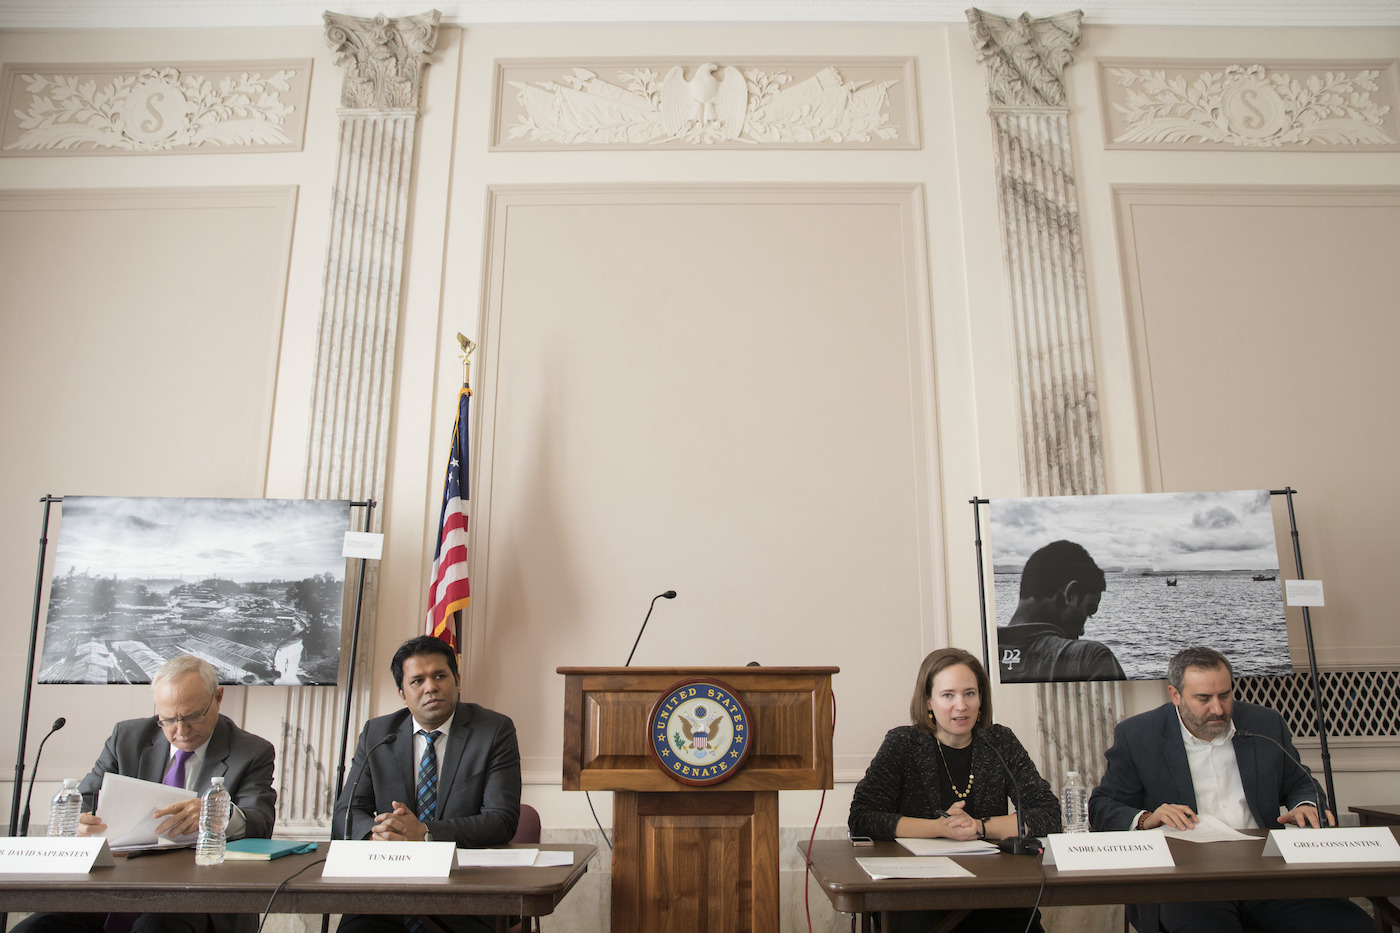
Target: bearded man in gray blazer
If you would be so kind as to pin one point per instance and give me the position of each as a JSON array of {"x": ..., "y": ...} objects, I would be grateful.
[
  {"x": 450, "y": 772},
  {"x": 187, "y": 742},
  {"x": 1187, "y": 757}
]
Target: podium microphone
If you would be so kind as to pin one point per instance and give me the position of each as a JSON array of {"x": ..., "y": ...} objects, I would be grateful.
[
  {"x": 58, "y": 723},
  {"x": 1321, "y": 797},
  {"x": 350, "y": 800},
  {"x": 1024, "y": 843},
  {"x": 669, "y": 594}
]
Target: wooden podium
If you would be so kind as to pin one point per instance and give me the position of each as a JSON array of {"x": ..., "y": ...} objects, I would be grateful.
[{"x": 696, "y": 858}]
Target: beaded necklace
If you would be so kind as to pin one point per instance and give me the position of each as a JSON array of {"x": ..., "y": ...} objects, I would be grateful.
[{"x": 960, "y": 794}]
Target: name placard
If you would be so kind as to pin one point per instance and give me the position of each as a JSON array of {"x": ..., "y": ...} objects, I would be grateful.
[
  {"x": 1350, "y": 844},
  {"x": 1099, "y": 851},
  {"x": 59, "y": 855},
  {"x": 362, "y": 858}
]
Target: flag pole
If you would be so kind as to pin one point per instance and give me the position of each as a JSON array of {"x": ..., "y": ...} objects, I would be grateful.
[{"x": 467, "y": 345}]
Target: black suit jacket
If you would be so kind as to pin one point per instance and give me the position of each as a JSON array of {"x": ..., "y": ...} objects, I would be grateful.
[
  {"x": 478, "y": 798},
  {"x": 138, "y": 748},
  {"x": 1147, "y": 767}
]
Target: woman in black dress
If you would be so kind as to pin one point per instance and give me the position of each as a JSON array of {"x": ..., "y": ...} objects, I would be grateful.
[{"x": 940, "y": 777}]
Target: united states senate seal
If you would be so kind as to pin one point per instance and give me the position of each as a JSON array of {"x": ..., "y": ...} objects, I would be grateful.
[{"x": 700, "y": 732}]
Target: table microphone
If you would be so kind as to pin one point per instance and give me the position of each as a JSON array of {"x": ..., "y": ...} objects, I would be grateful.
[
  {"x": 350, "y": 800},
  {"x": 1024, "y": 843},
  {"x": 1321, "y": 797},
  {"x": 58, "y": 723},
  {"x": 669, "y": 594}
]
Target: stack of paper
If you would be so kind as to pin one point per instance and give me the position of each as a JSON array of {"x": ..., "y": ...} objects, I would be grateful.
[
  {"x": 948, "y": 847},
  {"x": 936, "y": 867}
]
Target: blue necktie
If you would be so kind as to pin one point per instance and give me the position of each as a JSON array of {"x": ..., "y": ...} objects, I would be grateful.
[
  {"x": 427, "y": 801},
  {"x": 428, "y": 778}
]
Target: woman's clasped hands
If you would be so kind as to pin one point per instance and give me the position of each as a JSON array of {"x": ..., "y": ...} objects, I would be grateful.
[{"x": 956, "y": 824}]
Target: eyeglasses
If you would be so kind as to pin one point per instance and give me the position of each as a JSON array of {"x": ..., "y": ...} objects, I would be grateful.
[{"x": 185, "y": 720}]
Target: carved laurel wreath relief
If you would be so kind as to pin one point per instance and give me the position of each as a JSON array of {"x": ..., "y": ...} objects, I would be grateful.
[
  {"x": 857, "y": 105},
  {"x": 1252, "y": 106},
  {"x": 96, "y": 109}
]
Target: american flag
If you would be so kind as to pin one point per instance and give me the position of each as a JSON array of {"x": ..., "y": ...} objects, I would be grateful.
[{"x": 448, "y": 588}]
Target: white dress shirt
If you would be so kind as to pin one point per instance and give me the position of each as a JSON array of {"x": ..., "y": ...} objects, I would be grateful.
[{"x": 1215, "y": 773}]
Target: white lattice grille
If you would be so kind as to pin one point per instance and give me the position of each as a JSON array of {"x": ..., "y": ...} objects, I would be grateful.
[{"x": 1355, "y": 703}]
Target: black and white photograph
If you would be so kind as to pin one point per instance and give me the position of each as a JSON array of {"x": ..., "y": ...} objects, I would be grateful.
[
  {"x": 1110, "y": 587},
  {"x": 253, "y": 586}
]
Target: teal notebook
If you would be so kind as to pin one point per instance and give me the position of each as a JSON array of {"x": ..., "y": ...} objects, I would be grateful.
[{"x": 263, "y": 850}]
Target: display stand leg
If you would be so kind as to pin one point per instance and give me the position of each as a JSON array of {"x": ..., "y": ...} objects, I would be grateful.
[
  {"x": 1316, "y": 681},
  {"x": 368, "y": 505},
  {"x": 981, "y": 584},
  {"x": 29, "y": 668}
]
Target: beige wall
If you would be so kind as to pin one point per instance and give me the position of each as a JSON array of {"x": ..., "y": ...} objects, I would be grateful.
[{"x": 956, "y": 393}]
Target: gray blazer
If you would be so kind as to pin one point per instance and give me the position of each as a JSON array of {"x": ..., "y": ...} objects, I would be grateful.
[
  {"x": 478, "y": 802},
  {"x": 138, "y": 748}
]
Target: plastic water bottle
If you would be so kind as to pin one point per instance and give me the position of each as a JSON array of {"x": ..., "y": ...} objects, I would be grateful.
[
  {"x": 1074, "y": 801},
  {"x": 63, "y": 812},
  {"x": 213, "y": 824}
]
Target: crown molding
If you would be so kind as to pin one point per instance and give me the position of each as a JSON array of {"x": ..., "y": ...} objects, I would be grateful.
[{"x": 148, "y": 14}]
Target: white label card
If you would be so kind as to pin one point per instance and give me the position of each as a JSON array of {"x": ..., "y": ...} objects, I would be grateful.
[
  {"x": 366, "y": 544},
  {"x": 1348, "y": 844},
  {"x": 357, "y": 858},
  {"x": 59, "y": 855},
  {"x": 1099, "y": 851},
  {"x": 1303, "y": 592}
]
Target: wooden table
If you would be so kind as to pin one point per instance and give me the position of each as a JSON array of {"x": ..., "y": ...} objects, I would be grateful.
[
  {"x": 1378, "y": 814},
  {"x": 170, "y": 882},
  {"x": 1203, "y": 872}
]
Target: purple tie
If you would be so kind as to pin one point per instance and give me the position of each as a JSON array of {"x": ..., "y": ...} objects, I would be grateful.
[{"x": 175, "y": 777}]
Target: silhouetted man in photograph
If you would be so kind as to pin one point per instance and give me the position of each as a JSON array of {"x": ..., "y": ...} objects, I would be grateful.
[{"x": 1060, "y": 589}]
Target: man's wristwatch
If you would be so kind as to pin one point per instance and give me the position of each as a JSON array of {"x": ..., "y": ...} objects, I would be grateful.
[{"x": 427, "y": 835}]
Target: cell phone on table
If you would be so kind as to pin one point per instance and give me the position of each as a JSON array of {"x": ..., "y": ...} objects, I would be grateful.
[{"x": 862, "y": 841}]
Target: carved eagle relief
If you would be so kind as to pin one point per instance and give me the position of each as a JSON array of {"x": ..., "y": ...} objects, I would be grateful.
[{"x": 704, "y": 99}]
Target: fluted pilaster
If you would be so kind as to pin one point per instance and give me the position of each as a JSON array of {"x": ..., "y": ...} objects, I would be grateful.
[
  {"x": 1061, "y": 452},
  {"x": 351, "y": 404}
]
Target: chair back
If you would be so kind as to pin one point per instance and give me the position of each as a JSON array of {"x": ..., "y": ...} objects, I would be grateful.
[{"x": 527, "y": 831}]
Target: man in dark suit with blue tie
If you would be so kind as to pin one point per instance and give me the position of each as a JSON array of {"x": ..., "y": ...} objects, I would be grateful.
[
  {"x": 451, "y": 773},
  {"x": 1188, "y": 757}
]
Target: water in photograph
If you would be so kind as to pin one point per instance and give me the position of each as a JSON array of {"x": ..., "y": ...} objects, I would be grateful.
[{"x": 1144, "y": 621}]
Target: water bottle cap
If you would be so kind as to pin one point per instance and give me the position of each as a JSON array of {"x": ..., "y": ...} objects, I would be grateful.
[
  {"x": 217, "y": 781},
  {"x": 1073, "y": 775}
]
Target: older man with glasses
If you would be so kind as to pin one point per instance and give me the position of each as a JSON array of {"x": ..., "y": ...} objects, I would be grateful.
[{"x": 184, "y": 744}]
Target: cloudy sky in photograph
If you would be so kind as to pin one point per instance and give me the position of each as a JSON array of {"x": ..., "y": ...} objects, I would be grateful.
[
  {"x": 237, "y": 539},
  {"x": 1157, "y": 531}
]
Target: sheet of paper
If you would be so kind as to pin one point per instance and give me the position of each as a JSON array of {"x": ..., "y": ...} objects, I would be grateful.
[
  {"x": 915, "y": 867},
  {"x": 550, "y": 859},
  {"x": 1209, "y": 829},
  {"x": 470, "y": 858},
  {"x": 1303, "y": 592},
  {"x": 948, "y": 846},
  {"x": 125, "y": 804}
]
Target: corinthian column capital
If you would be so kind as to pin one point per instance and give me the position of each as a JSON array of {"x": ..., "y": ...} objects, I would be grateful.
[
  {"x": 383, "y": 58},
  {"x": 1025, "y": 57}
]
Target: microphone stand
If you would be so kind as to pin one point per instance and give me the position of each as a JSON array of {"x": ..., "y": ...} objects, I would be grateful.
[
  {"x": 669, "y": 594},
  {"x": 1024, "y": 843},
  {"x": 59, "y": 723},
  {"x": 1321, "y": 798},
  {"x": 350, "y": 798}
]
